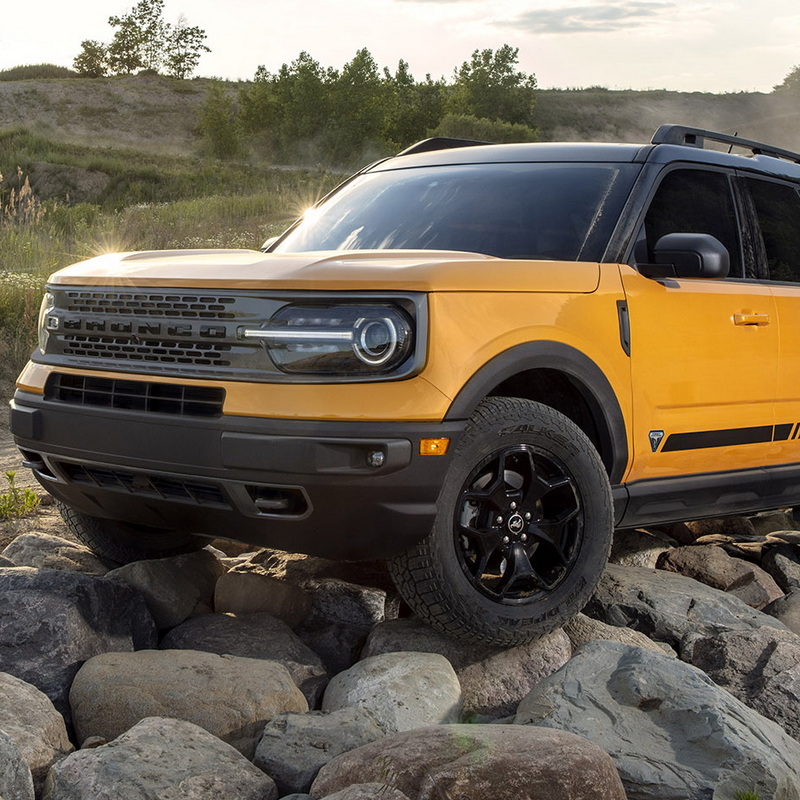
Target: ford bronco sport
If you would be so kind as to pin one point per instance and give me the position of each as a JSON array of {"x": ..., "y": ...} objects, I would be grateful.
[{"x": 472, "y": 361}]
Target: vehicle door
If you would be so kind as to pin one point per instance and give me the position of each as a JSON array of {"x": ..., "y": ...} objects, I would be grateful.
[
  {"x": 703, "y": 351},
  {"x": 774, "y": 207}
]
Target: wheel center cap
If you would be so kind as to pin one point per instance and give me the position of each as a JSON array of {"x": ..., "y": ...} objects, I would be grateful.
[{"x": 516, "y": 524}]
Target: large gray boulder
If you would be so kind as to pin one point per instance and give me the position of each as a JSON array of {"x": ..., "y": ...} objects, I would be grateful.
[
  {"x": 253, "y": 636},
  {"x": 761, "y": 668},
  {"x": 782, "y": 561},
  {"x": 671, "y": 732},
  {"x": 15, "y": 776},
  {"x": 342, "y": 616},
  {"x": 229, "y": 696},
  {"x": 295, "y": 747},
  {"x": 249, "y": 589},
  {"x": 478, "y": 762},
  {"x": 31, "y": 721},
  {"x": 159, "y": 759},
  {"x": 581, "y": 629},
  {"x": 666, "y": 606},
  {"x": 173, "y": 587},
  {"x": 366, "y": 791},
  {"x": 493, "y": 679},
  {"x": 786, "y": 609},
  {"x": 45, "y": 551},
  {"x": 401, "y": 690},
  {"x": 716, "y": 568},
  {"x": 52, "y": 621}
]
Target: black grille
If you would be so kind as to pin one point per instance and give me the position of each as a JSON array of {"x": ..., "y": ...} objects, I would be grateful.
[
  {"x": 163, "y": 352},
  {"x": 157, "y": 398},
  {"x": 150, "y": 304},
  {"x": 143, "y": 485}
]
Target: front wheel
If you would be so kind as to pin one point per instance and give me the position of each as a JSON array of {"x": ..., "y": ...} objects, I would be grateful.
[
  {"x": 117, "y": 543},
  {"x": 522, "y": 533}
]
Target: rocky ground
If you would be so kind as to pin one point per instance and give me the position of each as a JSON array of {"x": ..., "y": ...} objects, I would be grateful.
[{"x": 266, "y": 675}]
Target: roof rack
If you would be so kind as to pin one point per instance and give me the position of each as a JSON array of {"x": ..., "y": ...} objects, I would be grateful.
[
  {"x": 438, "y": 143},
  {"x": 695, "y": 137}
]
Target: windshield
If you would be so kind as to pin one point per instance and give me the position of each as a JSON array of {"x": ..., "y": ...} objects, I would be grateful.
[{"x": 552, "y": 211}]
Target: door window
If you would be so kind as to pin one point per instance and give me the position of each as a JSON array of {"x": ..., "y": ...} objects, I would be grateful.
[
  {"x": 695, "y": 201},
  {"x": 777, "y": 208}
]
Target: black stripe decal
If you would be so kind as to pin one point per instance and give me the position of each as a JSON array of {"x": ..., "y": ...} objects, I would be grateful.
[
  {"x": 700, "y": 440},
  {"x": 782, "y": 432}
]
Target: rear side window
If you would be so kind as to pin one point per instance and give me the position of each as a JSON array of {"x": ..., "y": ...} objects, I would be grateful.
[
  {"x": 777, "y": 208},
  {"x": 695, "y": 201},
  {"x": 528, "y": 211}
]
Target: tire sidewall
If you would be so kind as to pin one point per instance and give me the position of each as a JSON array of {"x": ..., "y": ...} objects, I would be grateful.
[{"x": 560, "y": 441}]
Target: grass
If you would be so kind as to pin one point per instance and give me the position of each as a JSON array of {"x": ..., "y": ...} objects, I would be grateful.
[
  {"x": 155, "y": 203},
  {"x": 16, "y": 502}
]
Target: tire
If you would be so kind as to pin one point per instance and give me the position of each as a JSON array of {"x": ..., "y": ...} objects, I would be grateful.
[
  {"x": 116, "y": 543},
  {"x": 512, "y": 556}
]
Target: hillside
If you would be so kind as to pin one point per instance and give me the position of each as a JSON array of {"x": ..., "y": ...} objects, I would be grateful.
[{"x": 159, "y": 114}]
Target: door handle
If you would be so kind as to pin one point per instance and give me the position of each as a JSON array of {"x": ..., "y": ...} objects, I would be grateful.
[{"x": 751, "y": 319}]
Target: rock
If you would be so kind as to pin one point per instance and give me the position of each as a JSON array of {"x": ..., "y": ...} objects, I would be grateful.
[
  {"x": 786, "y": 609},
  {"x": 478, "y": 762},
  {"x": 401, "y": 690},
  {"x": 341, "y": 618},
  {"x": 638, "y": 548},
  {"x": 6, "y": 562},
  {"x": 671, "y": 732},
  {"x": 173, "y": 587},
  {"x": 730, "y": 527},
  {"x": 760, "y": 667},
  {"x": 231, "y": 697},
  {"x": 582, "y": 629},
  {"x": 367, "y": 791},
  {"x": 31, "y": 721},
  {"x": 45, "y": 551},
  {"x": 772, "y": 521},
  {"x": 253, "y": 636},
  {"x": 493, "y": 679},
  {"x": 15, "y": 776},
  {"x": 248, "y": 589},
  {"x": 666, "y": 606},
  {"x": 52, "y": 621},
  {"x": 160, "y": 758},
  {"x": 714, "y": 567},
  {"x": 782, "y": 561},
  {"x": 295, "y": 747}
]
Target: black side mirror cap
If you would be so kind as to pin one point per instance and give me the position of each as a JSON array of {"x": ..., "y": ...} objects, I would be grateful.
[{"x": 688, "y": 255}]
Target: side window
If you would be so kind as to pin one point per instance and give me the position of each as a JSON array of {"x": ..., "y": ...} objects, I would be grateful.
[
  {"x": 695, "y": 201},
  {"x": 777, "y": 208}
]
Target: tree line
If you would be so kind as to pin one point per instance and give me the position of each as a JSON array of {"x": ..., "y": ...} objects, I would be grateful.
[
  {"x": 144, "y": 40},
  {"x": 307, "y": 113}
]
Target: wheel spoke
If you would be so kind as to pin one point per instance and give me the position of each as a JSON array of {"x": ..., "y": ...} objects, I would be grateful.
[{"x": 518, "y": 569}]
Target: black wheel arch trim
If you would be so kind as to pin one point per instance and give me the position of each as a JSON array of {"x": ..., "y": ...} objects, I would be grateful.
[{"x": 583, "y": 373}]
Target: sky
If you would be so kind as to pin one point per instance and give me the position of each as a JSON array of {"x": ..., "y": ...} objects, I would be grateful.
[{"x": 682, "y": 45}]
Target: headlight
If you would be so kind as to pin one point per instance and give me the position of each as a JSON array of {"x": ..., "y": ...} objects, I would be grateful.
[
  {"x": 48, "y": 304},
  {"x": 337, "y": 340}
]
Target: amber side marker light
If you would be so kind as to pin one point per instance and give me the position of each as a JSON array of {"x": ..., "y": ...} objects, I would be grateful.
[{"x": 433, "y": 447}]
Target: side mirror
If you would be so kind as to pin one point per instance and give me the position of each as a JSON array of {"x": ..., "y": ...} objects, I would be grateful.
[{"x": 688, "y": 255}]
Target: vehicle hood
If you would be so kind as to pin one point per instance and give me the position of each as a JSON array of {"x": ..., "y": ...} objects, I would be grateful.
[{"x": 363, "y": 270}]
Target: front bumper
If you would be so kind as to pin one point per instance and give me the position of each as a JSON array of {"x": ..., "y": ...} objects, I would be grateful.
[{"x": 296, "y": 485}]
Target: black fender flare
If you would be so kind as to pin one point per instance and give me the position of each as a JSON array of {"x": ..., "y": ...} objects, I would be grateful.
[{"x": 582, "y": 372}]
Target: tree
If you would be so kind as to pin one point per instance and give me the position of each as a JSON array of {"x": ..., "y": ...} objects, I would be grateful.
[
  {"x": 184, "y": 48},
  {"x": 488, "y": 86},
  {"x": 217, "y": 123},
  {"x": 791, "y": 82},
  {"x": 124, "y": 52},
  {"x": 141, "y": 35},
  {"x": 92, "y": 61}
]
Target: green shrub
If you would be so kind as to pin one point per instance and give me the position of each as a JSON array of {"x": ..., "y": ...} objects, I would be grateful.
[
  {"x": 33, "y": 72},
  {"x": 16, "y": 502}
]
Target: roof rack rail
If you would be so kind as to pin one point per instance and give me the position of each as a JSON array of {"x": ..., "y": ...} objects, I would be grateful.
[
  {"x": 695, "y": 137},
  {"x": 438, "y": 143}
]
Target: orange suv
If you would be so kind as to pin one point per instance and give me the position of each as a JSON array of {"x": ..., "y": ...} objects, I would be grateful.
[{"x": 471, "y": 360}]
